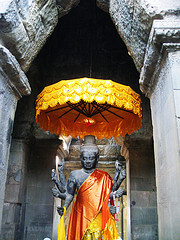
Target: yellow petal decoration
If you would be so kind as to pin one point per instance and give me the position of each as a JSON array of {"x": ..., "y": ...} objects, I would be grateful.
[
  {"x": 61, "y": 228},
  {"x": 66, "y": 107}
]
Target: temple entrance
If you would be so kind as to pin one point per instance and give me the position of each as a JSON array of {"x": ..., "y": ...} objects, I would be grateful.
[{"x": 84, "y": 43}]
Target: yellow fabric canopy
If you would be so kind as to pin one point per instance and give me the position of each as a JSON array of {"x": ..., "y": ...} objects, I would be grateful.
[{"x": 89, "y": 106}]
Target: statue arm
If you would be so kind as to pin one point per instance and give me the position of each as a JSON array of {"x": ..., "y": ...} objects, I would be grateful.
[
  {"x": 68, "y": 200},
  {"x": 117, "y": 193},
  {"x": 58, "y": 194},
  {"x": 117, "y": 172},
  {"x": 71, "y": 188},
  {"x": 117, "y": 184},
  {"x": 62, "y": 178},
  {"x": 60, "y": 191},
  {"x": 58, "y": 183},
  {"x": 119, "y": 176}
]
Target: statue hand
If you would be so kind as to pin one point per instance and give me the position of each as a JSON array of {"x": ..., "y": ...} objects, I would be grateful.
[
  {"x": 123, "y": 173},
  {"x": 53, "y": 175},
  {"x": 60, "y": 210},
  {"x": 119, "y": 192},
  {"x": 118, "y": 166},
  {"x": 112, "y": 210},
  {"x": 55, "y": 192},
  {"x": 61, "y": 166}
]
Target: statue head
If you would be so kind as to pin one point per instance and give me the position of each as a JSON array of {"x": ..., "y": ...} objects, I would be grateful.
[{"x": 89, "y": 153}]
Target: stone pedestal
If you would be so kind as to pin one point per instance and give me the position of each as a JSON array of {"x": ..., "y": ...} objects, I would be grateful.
[
  {"x": 160, "y": 80},
  {"x": 13, "y": 85}
]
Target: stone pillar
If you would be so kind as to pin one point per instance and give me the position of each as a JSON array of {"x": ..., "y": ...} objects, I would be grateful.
[
  {"x": 125, "y": 153},
  {"x": 160, "y": 80},
  {"x": 38, "y": 223},
  {"x": 143, "y": 205},
  {"x": 141, "y": 191},
  {"x": 13, "y": 84},
  {"x": 14, "y": 201}
]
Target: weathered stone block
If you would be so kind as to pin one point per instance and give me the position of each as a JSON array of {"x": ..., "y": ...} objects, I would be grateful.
[
  {"x": 174, "y": 58},
  {"x": 17, "y": 176},
  {"x": 143, "y": 198},
  {"x": 48, "y": 14},
  {"x": 177, "y": 101},
  {"x": 25, "y": 29},
  {"x": 39, "y": 195},
  {"x": 30, "y": 29},
  {"x": 144, "y": 232},
  {"x": 8, "y": 213},
  {"x": 38, "y": 231},
  {"x": 101, "y": 150},
  {"x": 112, "y": 150},
  {"x": 39, "y": 214},
  {"x": 74, "y": 151},
  {"x": 12, "y": 193},
  {"x": 39, "y": 179},
  {"x": 141, "y": 215},
  {"x": 108, "y": 158},
  {"x": 101, "y": 141},
  {"x": 9, "y": 18},
  {"x": 8, "y": 231},
  {"x": 133, "y": 21},
  {"x": 143, "y": 184}
]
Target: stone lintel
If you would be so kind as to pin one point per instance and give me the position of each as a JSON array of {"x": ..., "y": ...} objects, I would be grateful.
[
  {"x": 17, "y": 79},
  {"x": 164, "y": 35}
]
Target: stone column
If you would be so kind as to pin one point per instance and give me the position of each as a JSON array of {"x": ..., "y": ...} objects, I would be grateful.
[
  {"x": 125, "y": 153},
  {"x": 160, "y": 81},
  {"x": 14, "y": 200},
  {"x": 13, "y": 84}
]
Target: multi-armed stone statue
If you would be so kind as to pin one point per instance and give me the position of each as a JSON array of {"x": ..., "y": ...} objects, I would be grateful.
[{"x": 92, "y": 212}]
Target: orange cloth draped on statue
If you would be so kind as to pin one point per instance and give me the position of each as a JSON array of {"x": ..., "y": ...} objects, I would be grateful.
[{"x": 92, "y": 197}]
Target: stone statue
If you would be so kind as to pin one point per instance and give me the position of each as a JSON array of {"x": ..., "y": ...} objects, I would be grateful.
[{"x": 95, "y": 190}]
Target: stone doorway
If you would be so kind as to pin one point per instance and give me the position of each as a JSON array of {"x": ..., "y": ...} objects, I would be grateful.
[{"x": 85, "y": 42}]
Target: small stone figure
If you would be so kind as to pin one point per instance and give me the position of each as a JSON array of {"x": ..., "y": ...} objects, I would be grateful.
[{"x": 91, "y": 218}]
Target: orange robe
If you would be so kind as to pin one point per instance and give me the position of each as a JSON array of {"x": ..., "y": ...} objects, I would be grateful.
[{"x": 93, "y": 196}]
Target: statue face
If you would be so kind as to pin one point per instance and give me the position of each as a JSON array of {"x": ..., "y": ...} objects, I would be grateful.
[{"x": 89, "y": 160}]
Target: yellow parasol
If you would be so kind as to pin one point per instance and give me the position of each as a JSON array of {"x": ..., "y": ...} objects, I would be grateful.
[{"x": 89, "y": 106}]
